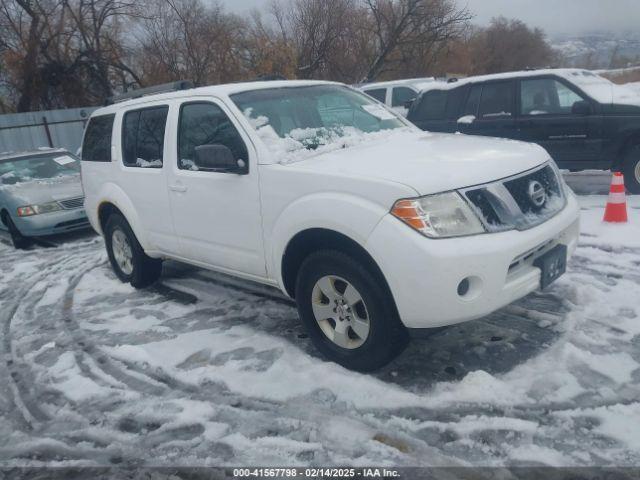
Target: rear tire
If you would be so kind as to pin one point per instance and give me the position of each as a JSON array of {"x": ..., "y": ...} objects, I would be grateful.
[
  {"x": 19, "y": 241},
  {"x": 355, "y": 323},
  {"x": 631, "y": 170},
  {"x": 126, "y": 255}
]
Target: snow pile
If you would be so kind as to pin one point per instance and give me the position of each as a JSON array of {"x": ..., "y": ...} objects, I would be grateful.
[
  {"x": 303, "y": 143},
  {"x": 142, "y": 163}
]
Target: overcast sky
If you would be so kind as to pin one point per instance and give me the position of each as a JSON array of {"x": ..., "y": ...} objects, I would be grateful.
[{"x": 554, "y": 16}]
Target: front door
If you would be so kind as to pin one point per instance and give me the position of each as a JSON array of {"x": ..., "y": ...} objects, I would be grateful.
[
  {"x": 216, "y": 214},
  {"x": 547, "y": 118}
]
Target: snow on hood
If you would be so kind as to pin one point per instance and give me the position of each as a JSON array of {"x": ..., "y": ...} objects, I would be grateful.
[
  {"x": 604, "y": 91},
  {"x": 625, "y": 95},
  {"x": 44, "y": 190},
  {"x": 428, "y": 162}
]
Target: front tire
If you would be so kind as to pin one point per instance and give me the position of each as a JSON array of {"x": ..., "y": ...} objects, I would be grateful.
[
  {"x": 126, "y": 255},
  {"x": 19, "y": 241},
  {"x": 631, "y": 170},
  {"x": 348, "y": 314}
]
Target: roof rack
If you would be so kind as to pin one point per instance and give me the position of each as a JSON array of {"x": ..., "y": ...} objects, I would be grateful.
[{"x": 141, "y": 92}]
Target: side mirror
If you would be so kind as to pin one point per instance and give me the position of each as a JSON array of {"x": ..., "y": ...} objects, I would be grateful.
[
  {"x": 218, "y": 158},
  {"x": 581, "y": 107},
  {"x": 408, "y": 103},
  {"x": 466, "y": 120}
]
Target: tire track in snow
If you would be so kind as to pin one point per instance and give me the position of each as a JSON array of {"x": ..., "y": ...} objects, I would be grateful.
[{"x": 21, "y": 381}]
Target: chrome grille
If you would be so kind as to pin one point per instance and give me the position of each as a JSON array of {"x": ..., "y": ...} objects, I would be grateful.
[
  {"x": 72, "y": 203},
  {"x": 521, "y": 202}
]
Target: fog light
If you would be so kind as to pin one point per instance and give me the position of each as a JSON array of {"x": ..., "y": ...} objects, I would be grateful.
[{"x": 463, "y": 287}]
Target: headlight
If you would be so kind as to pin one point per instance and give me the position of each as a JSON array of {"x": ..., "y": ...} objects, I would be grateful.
[
  {"x": 38, "y": 209},
  {"x": 561, "y": 181},
  {"x": 439, "y": 216}
]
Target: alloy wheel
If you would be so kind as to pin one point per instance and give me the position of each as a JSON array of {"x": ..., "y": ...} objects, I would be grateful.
[
  {"x": 340, "y": 312},
  {"x": 122, "y": 252}
]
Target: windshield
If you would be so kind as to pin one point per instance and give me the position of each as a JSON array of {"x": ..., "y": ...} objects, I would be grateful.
[
  {"x": 315, "y": 115},
  {"x": 40, "y": 167}
]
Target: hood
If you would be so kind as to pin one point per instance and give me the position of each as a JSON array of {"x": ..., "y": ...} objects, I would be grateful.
[
  {"x": 626, "y": 96},
  {"x": 611, "y": 94},
  {"x": 43, "y": 191},
  {"x": 428, "y": 162}
]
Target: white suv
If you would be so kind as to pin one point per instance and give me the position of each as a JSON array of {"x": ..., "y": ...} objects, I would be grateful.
[{"x": 375, "y": 228}]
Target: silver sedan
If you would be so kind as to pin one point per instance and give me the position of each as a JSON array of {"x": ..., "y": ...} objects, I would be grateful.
[{"x": 40, "y": 194}]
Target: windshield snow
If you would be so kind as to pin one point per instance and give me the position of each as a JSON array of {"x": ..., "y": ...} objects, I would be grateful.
[
  {"x": 315, "y": 118},
  {"x": 42, "y": 167}
]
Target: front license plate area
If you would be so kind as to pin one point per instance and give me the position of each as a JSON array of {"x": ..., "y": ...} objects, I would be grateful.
[{"x": 552, "y": 264}]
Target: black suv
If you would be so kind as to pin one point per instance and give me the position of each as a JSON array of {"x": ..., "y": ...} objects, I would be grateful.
[{"x": 583, "y": 120}]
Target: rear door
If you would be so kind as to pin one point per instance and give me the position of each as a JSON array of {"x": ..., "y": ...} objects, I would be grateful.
[
  {"x": 216, "y": 214},
  {"x": 546, "y": 118},
  {"x": 142, "y": 176},
  {"x": 490, "y": 110}
]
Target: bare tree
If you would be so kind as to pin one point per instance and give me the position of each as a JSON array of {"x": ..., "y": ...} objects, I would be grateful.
[
  {"x": 507, "y": 45},
  {"x": 266, "y": 46},
  {"x": 23, "y": 24},
  {"x": 186, "y": 39},
  {"x": 63, "y": 52},
  {"x": 400, "y": 27},
  {"x": 98, "y": 27}
]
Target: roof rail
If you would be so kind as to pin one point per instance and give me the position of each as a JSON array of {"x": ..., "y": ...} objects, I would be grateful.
[
  {"x": 141, "y": 92},
  {"x": 269, "y": 77}
]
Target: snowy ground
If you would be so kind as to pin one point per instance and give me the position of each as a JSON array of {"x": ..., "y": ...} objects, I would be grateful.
[{"x": 204, "y": 370}]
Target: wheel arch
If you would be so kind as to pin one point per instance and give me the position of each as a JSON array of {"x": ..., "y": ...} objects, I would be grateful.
[
  {"x": 4, "y": 213},
  {"x": 631, "y": 140},
  {"x": 312, "y": 240},
  {"x": 105, "y": 210}
]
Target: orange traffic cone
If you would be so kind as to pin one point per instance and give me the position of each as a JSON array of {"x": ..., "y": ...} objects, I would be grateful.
[{"x": 616, "y": 210}]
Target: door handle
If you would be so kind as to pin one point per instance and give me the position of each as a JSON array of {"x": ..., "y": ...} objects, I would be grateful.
[{"x": 178, "y": 188}]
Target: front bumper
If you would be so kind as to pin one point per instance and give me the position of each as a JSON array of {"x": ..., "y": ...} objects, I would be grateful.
[
  {"x": 52, "y": 223},
  {"x": 423, "y": 274}
]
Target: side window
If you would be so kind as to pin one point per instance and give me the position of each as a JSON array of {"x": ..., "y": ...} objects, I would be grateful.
[
  {"x": 379, "y": 94},
  {"x": 543, "y": 96},
  {"x": 433, "y": 105},
  {"x": 205, "y": 123},
  {"x": 143, "y": 137},
  {"x": 96, "y": 146},
  {"x": 401, "y": 95},
  {"x": 473, "y": 101},
  {"x": 496, "y": 100}
]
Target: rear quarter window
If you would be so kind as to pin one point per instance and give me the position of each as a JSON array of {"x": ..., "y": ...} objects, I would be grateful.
[{"x": 96, "y": 146}]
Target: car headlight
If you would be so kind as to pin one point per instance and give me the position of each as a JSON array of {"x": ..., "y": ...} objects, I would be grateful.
[
  {"x": 30, "y": 210},
  {"x": 439, "y": 216},
  {"x": 564, "y": 186}
]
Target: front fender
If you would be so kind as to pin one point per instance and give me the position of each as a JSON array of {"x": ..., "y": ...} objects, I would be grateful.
[{"x": 344, "y": 213}]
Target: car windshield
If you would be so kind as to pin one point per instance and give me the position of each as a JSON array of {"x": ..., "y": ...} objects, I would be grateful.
[
  {"x": 314, "y": 115},
  {"x": 37, "y": 167}
]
